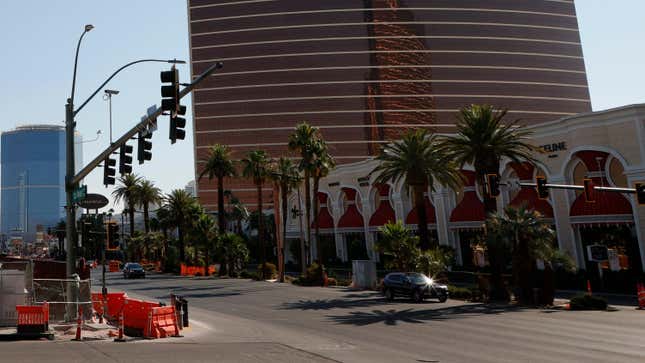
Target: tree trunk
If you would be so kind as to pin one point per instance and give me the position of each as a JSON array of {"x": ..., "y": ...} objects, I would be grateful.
[
  {"x": 422, "y": 223},
  {"x": 307, "y": 211},
  {"x": 146, "y": 218},
  {"x": 131, "y": 215},
  {"x": 180, "y": 239},
  {"x": 284, "y": 202},
  {"x": 206, "y": 272},
  {"x": 220, "y": 205},
  {"x": 263, "y": 257}
]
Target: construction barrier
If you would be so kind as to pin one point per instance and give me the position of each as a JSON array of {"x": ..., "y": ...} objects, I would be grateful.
[
  {"x": 115, "y": 302},
  {"x": 196, "y": 271},
  {"x": 33, "y": 319},
  {"x": 136, "y": 315},
  {"x": 114, "y": 266},
  {"x": 163, "y": 323},
  {"x": 641, "y": 295}
]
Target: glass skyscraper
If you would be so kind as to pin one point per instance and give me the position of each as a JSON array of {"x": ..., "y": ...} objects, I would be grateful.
[{"x": 33, "y": 179}]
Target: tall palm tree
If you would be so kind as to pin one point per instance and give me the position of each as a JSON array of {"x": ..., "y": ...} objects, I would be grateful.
[
  {"x": 482, "y": 140},
  {"x": 287, "y": 177},
  {"x": 255, "y": 167},
  {"x": 304, "y": 140},
  {"x": 126, "y": 192},
  {"x": 219, "y": 165},
  {"x": 181, "y": 208},
  {"x": 204, "y": 231},
  {"x": 417, "y": 160},
  {"x": 147, "y": 193},
  {"x": 164, "y": 223},
  {"x": 239, "y": 213},
  {"x": 322, "y": 165}
]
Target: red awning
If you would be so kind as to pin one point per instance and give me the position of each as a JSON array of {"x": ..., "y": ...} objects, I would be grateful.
[
  {"x": 384, "y": 212},
  {"x": 352, "y": 218},
  {"x": 470, "y": 211},
  {"x": 609, "y": 207},
  {"x": 413, "y": 217},
  {"x": 528, "y": 197},
  {"x": 324, "y": 218}
]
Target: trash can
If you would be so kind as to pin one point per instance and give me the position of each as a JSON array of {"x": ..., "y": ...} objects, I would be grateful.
[{"x": 184, "y": 308}]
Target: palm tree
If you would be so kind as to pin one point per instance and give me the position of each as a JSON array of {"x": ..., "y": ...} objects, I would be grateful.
[
  {"x": 239, "y": 213},
  {"x": 417, "y": 160},
  {"x": 126, "y": 192},
  {"x": 147, "y": 193},
  {"x": 528, "y": 237},
  {"x": 303, "y": 141},
  {"x": 287, "y": 177},
  {"x": 219, "y": 165},
  {"x": 164, "y": 223},
  {"x": 204, "y": 231},
  {"x": 322, "y": 165},
  {"x": 482, "y": 140},
  {"x": 181, "y": 208},
  {"x": 256, "y": 168},
  {"x": 397, "y": 243}
]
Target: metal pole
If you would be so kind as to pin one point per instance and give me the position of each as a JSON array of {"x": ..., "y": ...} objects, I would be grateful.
[
  {"x": 70, "y": 226},
  {"x": 303, "y": 254},
  {"x": 110, "y": 107}
]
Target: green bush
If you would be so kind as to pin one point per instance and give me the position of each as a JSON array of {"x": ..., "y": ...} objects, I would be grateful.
[
  {"x": 459, "y": 293},
  {"x": 244, "y": 274},
  {"x": 270, "y": 271},
  {"x": 587, "y": 302}
]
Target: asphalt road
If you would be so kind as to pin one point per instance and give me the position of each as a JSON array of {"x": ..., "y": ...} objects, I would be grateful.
[{"x": 248, "y": 321}]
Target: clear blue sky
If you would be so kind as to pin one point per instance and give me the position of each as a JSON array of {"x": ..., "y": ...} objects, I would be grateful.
[{"x": 39, "y": 40}]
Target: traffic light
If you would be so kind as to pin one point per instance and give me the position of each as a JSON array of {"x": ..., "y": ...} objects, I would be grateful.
[
  {"x": 109, "y": 171},
  {"x": 542, "y": 189},
  {"x": 493, "y": 185},
  {"x": 589, "y": 191},
  {"x": 177, "y": 125},
  {"x": 125, "y": 159},
  {"x": 144, "y": 147},
  {"x": 640, "y": 193},
  {"x": 112, "y": 236},
  {"x": 170, "y": 92}
]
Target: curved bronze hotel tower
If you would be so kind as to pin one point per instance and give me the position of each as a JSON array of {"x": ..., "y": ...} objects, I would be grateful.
[{"x": 363, "y": 71}]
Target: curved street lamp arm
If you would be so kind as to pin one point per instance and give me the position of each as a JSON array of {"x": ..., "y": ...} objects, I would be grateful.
[
  {"x": 78, "y": 46},
  {"x": 115, "y": 73}
]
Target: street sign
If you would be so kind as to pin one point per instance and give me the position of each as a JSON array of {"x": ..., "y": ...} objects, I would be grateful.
[
  {"x": 597, "y": 253},
  {"x": 94, "y": 201},
  {"x": 79, "y": 194}
]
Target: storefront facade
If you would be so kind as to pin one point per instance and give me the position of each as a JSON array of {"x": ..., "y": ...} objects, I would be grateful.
[{"x": 606, "y": 146}]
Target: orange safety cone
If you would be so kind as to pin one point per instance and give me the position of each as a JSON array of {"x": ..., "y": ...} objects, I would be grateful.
[{"x": 79, "y": 323}]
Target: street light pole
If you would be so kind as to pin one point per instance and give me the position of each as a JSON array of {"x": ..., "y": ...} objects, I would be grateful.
[{"x": 108, "y": 96}]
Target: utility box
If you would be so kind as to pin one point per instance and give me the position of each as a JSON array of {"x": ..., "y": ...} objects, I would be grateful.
[{"x": 364, "y": 274}]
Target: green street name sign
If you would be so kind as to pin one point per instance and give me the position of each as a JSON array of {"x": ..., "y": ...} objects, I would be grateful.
[{"x": 79, "y": 194}]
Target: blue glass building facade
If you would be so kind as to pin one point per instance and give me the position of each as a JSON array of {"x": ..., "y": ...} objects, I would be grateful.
[{"x": 33, "y": 179}]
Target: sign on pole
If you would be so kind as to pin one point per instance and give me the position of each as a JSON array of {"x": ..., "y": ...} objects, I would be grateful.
[
  {"x": 597, "y": 253},
  {"x": 79, "y": 194}
]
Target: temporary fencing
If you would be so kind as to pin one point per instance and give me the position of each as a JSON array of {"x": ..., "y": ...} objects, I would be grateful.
[
  {"x": 33, "y": 319},
  {"x": 61, "y": 292},
  {"x": 197, "y": 270},
  {"x": 136, "y": 315}
]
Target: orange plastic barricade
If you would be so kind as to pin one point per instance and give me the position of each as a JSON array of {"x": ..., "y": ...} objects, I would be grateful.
[
  {"x": 114, "y": 266},
  {"x": 195, "y": 270},
  {"x": 136, "y": 315},
  {"x": 33, "y": 319},
  {"x": 115, "y": 302},
  {"x": 641, "y": 295},
  {"x": 163, "y": 322},
  {"x": 97, "y": 303}
]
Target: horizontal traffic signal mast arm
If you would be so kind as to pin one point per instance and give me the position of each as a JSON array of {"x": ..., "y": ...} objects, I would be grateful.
[
  {"x": 581, "y": 187},
  {"x": 141, "y": 126}
]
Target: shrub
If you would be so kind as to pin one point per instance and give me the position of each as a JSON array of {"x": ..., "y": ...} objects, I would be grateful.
[
  {"x": 587, "y": 302},
  {"x": 459, "y": 293},
  {"x": 247, "y": 275},
  {"x": 270, "y": 271},
  {"x": 312, "y": 276}
]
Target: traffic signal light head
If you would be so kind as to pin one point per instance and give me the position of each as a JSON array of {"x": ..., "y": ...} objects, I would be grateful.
[
  {"x": 144, "y": 147},
  {"x": 589, "y": 191},
  {"x": 640, "y": 193},
  {"x": 177, "y": 132},
  {"x": 125, "y": 159},
  {"x": 112, "y": 234},
  {"x": 542, "y": 189},
  {"x": 109, "y": 172},
  {"x": 492, "y": 181},
  {"x": 170, "y": 92}
]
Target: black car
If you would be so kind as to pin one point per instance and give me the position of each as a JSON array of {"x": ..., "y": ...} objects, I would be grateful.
[
  {"x": 133, "y": 270},
  {"x": 414, "y": 285}
]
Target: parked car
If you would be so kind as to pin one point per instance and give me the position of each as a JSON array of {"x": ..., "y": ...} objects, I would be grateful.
[
  {"x": 416, "y": 286},
  {"x": 133, "y": 270}
]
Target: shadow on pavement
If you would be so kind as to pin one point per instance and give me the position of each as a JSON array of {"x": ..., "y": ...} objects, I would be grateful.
[
  {"x": 393, "y": 317},
  {"x": 328, "y": 304}
]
